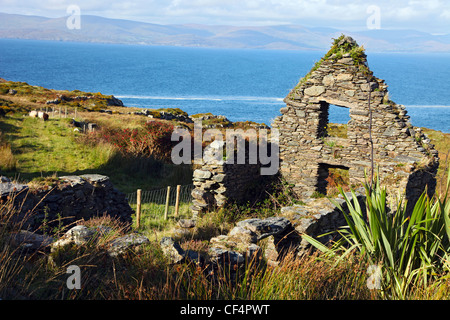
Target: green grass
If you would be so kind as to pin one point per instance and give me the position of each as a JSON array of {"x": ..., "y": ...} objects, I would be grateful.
[
  {"x": 41, "y": 149},
  {"x": 152, "y": 219},
  {"x": 47, "y": 148},
  {"x": 40, "y": 95}
]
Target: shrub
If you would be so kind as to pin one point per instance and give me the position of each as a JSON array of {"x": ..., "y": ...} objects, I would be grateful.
[
  {"x": 152, "y": 140},
  {"x": 7, "y": 159}
]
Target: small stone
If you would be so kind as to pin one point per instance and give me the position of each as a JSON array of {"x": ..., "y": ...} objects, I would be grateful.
[
  {"x": 202, "y": 174},
  {"x": 284, "y": 110},
  {"x": 328, "y": 80},
  {"x": 390, "y": 147},
  {"x": 315, "y": 91},
  {"x": 300, "y": 114},
  {"x": 172, "y": 250},
  {"x": 186, "y": 223},
  {"x": 350, "y": 93},
  {"x": 344, "y": 77}
]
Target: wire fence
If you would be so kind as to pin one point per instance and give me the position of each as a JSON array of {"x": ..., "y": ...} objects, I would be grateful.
[
  {"x": 153, "y": 202},
  {"x": 55, "y": 112}
]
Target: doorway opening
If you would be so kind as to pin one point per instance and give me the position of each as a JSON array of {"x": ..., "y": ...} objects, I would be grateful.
[{"x": 331, "y": 177}]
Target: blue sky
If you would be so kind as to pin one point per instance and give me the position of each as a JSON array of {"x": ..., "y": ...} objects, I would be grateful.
[{"x": 425, "y": 15}]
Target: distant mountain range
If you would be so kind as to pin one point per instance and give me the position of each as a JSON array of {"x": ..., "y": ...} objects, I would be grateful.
[{"x": 104, "y": 30}]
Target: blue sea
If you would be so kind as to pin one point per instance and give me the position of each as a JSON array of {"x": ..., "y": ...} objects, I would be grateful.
[{"x": 241, "y": 84}]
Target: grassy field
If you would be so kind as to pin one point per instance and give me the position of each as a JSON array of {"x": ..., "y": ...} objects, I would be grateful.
[
  {"x": 32, "y": 149},
  {"x": 51, "y": 148}
]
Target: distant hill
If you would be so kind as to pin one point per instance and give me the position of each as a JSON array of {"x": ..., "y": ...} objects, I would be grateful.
[{"x": 99, "y": 29}]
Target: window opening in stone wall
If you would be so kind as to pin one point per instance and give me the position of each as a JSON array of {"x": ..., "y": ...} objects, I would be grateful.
[
  {"x": 338, "y": 118},
  {"x": 330, "y": 178}
]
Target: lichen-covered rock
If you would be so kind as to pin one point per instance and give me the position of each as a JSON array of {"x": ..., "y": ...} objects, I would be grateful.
[
  {"x": 172, "y": 250},
  {"x": 264, "y": 228},
  {"x": 130, "y": 241},
  {"x": 9, "y": 188},
  {"x": 80, "y": 235},
  {"x": 221, "y": 256}
]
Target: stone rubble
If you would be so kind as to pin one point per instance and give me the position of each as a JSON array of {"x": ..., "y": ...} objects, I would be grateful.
[
  {"x": 73, "y": 198},
  {"x": 281, "y": 235}
]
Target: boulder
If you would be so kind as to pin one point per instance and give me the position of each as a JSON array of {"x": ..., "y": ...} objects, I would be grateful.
[
  {"x": 9, "y": 188},
  {"x": 80, "y": 235},
  {"x": 221, "y": 257},
  {"x": 264, "y": 228}
]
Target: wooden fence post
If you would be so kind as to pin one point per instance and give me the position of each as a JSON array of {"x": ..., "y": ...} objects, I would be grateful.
[
  {"x": 138, "y": 208},
  {"x": 166, "y": 212},
  {"x": 177, "y": 201}
]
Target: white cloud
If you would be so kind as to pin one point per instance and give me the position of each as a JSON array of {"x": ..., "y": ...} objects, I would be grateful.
[
  {"x": 445, "y": 14},
  {"x": 430, "y": 14}
]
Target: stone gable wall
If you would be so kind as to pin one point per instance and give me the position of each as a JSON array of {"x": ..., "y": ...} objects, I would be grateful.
[
  {"x": 403, "y": 156},
  {"x": 402, "y": 153}
]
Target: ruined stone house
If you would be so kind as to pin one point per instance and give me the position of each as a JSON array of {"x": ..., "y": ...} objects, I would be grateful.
[
  {"x": 402, "y": 154},
  {"x": 403, "y": 157}
]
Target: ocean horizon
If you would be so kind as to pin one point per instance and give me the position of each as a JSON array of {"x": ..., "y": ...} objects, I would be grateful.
[{"x": 241, "y": 84}]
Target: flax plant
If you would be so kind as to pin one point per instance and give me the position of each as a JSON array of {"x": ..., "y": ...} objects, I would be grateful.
[{"x": 411, "y": 247}]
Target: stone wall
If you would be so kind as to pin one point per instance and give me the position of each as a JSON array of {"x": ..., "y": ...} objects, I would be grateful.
[
  {"x": 219, "y": 181},
  {"x": 406, "y": 160},
  {"x": 70, "y": 199}
]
